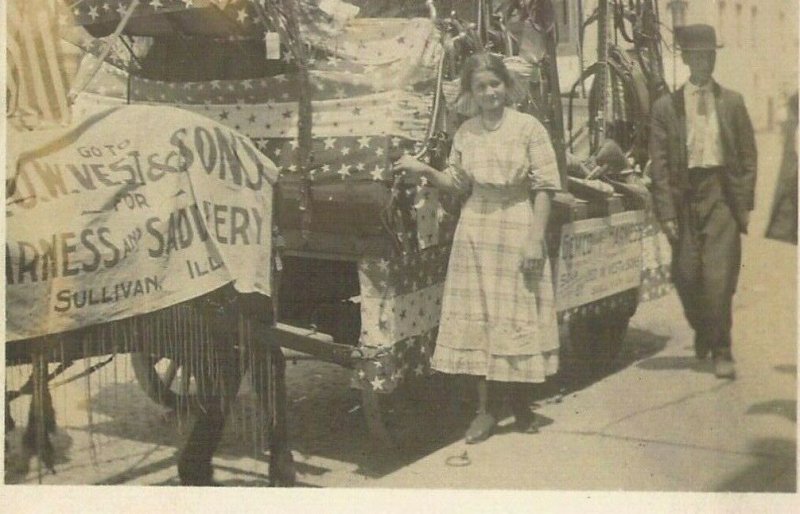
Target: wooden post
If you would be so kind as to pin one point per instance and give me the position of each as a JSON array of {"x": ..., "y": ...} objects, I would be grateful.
[
  {"x": 602, "y": 75},
  {"x": 557, "y": 115}
]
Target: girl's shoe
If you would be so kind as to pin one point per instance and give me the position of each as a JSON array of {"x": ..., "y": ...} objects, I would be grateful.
[
  {"x": 525, "y": 422},
  {"x": 481, "y": 428},
  {"x": 524, "y": 419}
]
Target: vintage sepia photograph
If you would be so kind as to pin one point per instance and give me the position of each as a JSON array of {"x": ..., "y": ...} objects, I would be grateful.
[{"x": 517, "y": 245}]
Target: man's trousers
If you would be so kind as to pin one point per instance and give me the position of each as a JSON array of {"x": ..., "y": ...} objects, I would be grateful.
[{"x": 706, "y": 258}]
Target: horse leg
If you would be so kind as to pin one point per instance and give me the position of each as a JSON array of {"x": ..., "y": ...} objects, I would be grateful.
[
  {"x": 10, "y": 424},
  {"x": 269, "y": 377},
  {"x": 281, "y": 463},
  {"x": 194, "y": 463},
  {"x": 215, "y": 395},
  {"x": 41, "y": 416}
]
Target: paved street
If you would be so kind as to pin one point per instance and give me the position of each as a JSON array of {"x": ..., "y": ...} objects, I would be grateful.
[{"x": 660, "y": 421}]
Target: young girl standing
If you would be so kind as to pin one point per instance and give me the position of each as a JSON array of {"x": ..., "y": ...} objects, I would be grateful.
[{"x": 498, "y": 319}]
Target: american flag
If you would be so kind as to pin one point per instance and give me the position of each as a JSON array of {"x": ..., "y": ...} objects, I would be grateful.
[{"x": 36, "y": 81}]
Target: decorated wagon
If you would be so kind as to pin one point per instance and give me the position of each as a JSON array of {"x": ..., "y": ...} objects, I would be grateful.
[{"x": 353, "y": 257}]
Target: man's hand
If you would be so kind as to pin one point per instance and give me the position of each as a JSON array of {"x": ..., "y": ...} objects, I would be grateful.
[
  {"x": 745, "y": 221},
  {"x": 670, "y": 228}
]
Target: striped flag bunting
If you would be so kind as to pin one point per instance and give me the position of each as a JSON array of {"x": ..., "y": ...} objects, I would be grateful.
[{"x": 36, "y": 82}]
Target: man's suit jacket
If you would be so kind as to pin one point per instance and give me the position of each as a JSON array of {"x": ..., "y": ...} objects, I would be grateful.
[{"x": 669, "y": 153}]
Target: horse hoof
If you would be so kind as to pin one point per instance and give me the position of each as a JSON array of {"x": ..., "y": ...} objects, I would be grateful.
[
  {"x": 281, "y": 470},
  {"x": 194, "y": 474},
  {"x": 10, "y": 423},
  {"x": 46, "y": 454}
]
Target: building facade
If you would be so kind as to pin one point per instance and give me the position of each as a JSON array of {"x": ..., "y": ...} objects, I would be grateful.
[
  {"x": 760, "y": 53},
  {"x": 759, "y": 57}
]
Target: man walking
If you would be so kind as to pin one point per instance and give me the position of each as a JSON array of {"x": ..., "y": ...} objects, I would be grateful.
[{"x": 703, "y": 155}]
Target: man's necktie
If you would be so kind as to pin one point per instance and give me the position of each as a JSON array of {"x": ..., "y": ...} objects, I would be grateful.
[
  {"x": 702, "y": 102},
  {"x": 701, "y": 119}
]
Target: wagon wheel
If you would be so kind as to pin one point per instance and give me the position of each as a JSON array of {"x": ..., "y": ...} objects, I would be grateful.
[
  {"x": 614, "y": 330},
  {"x": 164, "y": 380},
  {"x": 379, "y": 434},
  {"x": 405, "y": 416},
  {"x": 597, "y": 341}
]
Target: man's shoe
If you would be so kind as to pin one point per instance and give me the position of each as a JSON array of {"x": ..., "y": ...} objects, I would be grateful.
[
  {"x": 701, "y": 348},
  {"x": 723, "y": 367}
]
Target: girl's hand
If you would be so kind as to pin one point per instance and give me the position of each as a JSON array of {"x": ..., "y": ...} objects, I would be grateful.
[
  {"x": 411, "y": 166},
  {"x": 533, "y": 258}
]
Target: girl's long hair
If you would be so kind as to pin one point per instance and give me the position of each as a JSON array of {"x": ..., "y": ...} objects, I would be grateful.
[{"x": 515, "y": 91}]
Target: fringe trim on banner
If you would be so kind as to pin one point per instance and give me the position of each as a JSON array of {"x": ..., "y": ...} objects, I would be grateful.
[{"x": 189, "y": 357}]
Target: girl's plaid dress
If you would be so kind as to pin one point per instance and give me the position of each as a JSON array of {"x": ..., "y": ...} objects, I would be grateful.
[{"x": 496, "y": 321}]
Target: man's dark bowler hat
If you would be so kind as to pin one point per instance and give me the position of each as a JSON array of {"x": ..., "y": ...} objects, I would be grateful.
[{"x": 696, "y": 37}]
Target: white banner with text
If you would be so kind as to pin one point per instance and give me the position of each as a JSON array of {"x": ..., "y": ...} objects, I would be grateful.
[
  {"x": 599, "y": 257},
  {"x": 135, "y": 209}
]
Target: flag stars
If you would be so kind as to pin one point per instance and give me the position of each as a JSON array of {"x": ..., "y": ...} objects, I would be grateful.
[
  {"x": 329, "y": 143},
  {"x": 188, "y": 3},
  {"x": 252, "y": 118},
  {"x": 377, "y": 383},
  {"x": 364, "y": 141},
  {"x": 242, "y": 16},
  {"x": 223, "y": 115},
  {"x": 343, "y": 172},
  {"x": 377, "y": 173},
  {"x": 93, "y": 13},
  {"x": 156, "y": 4},
  {"x": 287, "y": 114}
]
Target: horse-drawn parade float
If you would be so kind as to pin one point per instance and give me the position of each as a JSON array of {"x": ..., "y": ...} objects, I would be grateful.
[{"x": 222, "y": 192}]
